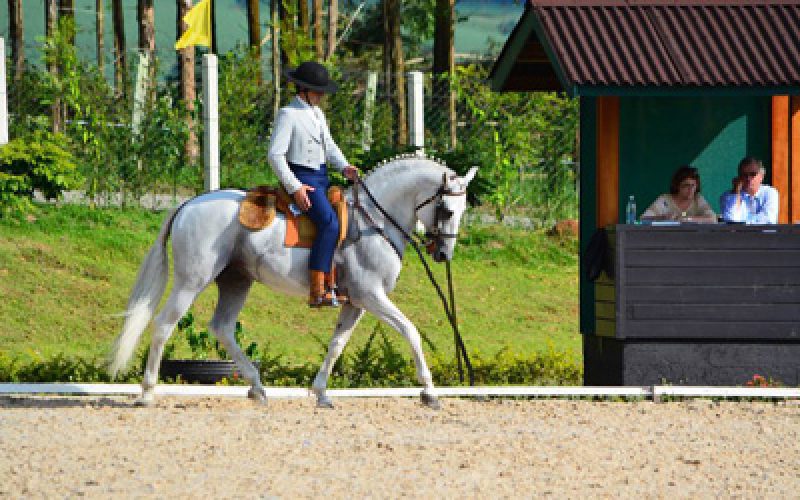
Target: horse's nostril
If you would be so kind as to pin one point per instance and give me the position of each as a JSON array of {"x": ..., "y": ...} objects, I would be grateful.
[{"x": 442, "y": 256}]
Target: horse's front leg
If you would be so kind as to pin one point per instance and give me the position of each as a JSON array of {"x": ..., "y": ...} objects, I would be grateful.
[
  {"x": 348, "y": 319},
  {"x": 381, "y": 306}
]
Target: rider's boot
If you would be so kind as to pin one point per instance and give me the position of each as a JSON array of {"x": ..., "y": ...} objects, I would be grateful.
[
  {"x": 319, "y": 296},
  {"x": 330, "y": 283}
]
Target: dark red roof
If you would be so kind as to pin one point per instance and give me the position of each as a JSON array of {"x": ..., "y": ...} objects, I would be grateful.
[{"x": 656, "y": 43}]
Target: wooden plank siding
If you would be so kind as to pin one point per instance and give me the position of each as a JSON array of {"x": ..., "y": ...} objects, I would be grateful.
[
  {"x": 780, "y": 154},
  {"x": 785, "y": 146},
  {"x": 713, "y": 282},
  {"x": 794, "y": 162},
  {"x": 607, "y": 186}
]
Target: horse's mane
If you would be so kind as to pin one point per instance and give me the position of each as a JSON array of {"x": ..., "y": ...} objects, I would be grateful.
[{"x": 392, "y": 167}]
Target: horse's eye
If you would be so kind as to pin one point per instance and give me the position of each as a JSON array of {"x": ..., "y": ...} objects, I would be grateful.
[{"x": 445, "y": 213}]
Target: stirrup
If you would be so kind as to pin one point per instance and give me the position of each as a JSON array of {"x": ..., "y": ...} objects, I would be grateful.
[
  {"x": 325, "y": 300},
  {"x": 340, "y": 297}
]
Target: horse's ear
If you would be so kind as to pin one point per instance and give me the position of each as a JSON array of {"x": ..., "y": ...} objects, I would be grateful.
[{"x": 470, "y": 174}]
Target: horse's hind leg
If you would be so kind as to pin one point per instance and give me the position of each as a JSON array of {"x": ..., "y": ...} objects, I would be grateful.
[
  {"x": 233, "y": 288},
  {"x": 348, "y": 319},
  {"x": 177, "y": 304}
]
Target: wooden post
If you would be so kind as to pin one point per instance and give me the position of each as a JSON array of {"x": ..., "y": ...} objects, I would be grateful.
[
  {"x": 780, "y": 154},
  {"x": 794, "y": 165},
  {"x": 607, "y": 160}
]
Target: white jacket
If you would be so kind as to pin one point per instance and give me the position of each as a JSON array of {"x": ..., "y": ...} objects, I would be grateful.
[{"x": 297, "y": 138}]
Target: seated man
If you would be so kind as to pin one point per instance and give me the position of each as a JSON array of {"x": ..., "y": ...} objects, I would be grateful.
[{"x": 750, "y": 201}]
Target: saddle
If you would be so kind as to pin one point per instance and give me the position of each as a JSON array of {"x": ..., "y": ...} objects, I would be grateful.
[{"x": 262, "y": 203}]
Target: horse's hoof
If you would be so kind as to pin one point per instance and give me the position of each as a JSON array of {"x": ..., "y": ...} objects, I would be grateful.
[
  {"x": 430, "y": 401},
  {"x": 144, "y": 401},
  {"x": 258, "y": 395},
  {"x": 324, "y": 402}
]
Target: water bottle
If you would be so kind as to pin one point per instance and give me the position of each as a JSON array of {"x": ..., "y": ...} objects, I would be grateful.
[{"x": 630, "y": 211}]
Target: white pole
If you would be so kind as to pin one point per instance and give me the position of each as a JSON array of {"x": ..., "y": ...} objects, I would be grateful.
[
  {"x": 416, "y": 122},
  {"x": 3, "y": 95},
  {"x": 140, "y": 92},
  {"x": 369, "y": 104},
  {"x": 210, "y": 122}
]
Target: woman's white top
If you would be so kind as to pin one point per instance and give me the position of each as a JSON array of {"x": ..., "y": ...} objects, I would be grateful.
[
  {"x": 301, "y": 136},
  {"x": 665, "y": 206}
]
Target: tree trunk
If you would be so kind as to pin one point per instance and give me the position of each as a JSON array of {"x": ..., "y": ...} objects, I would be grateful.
[
  {"x": 120, "y": 59},
  {"x": 17, "y": 34},
  {"x": 145, "y": 17},
  {"x": 444, "y": 62},
  {"x": 100, "y": 28},
  {"x": 253, "y": 27},
  {"x": 302, "y": 11},
  {"x": 67, "y": 11},
  {"x": 146, "y": 21},
  {"x": 274, "y": 9},
  {"x": 51, "y": 21},
  {"x": 333, "y": 21},
  {"x": 319, "y": 39},
  {"x": 394, "y": 69},
  {"x": 188, "y": 89}
]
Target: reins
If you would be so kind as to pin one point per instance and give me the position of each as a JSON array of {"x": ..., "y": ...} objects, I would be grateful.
[{"x": 416, "y": 240}]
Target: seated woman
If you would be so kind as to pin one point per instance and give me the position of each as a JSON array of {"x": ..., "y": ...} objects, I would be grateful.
[{"x": 683, "y": 202}]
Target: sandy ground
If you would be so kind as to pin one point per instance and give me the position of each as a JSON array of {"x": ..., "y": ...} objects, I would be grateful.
[{"x": 104, "y": 448}]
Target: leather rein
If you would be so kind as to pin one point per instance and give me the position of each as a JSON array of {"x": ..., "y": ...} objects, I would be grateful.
[{"x": 435, "y": 235}]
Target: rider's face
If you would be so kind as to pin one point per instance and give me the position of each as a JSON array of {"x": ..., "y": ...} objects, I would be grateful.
[{"x": 312, "y": 97}]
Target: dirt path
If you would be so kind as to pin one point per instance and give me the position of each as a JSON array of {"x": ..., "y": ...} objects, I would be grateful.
[{"x": 101, "y": 447}]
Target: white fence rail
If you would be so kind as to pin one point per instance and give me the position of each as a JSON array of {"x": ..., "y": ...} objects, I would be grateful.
[{"x": 656, "y": 393}]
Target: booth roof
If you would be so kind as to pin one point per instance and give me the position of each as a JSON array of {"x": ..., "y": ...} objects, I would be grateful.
[{"x": 576, "y": 45}]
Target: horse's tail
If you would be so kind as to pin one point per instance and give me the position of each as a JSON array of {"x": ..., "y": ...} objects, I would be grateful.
[{"x": 150, "y": 285}]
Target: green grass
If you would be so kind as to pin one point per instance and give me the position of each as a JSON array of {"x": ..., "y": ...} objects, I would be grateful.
[{"x": 65, "y": 275}]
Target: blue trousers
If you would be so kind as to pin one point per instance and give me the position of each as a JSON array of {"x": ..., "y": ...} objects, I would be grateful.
[{"x": 321, "y": 214}]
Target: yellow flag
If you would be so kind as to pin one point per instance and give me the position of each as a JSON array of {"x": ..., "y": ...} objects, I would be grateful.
[{"x": 199, "y": 31}]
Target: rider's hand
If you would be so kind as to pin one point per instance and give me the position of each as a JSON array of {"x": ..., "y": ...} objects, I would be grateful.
[
  {"x": 301, "y": 197},
  {"x": 351, "y": 172}
]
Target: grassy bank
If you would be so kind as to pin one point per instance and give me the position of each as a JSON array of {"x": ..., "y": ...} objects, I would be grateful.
[{"x": 65, "y": 274}]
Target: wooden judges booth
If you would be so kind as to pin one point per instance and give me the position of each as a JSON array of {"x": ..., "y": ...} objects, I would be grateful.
[{"x": 663, "y": 83}]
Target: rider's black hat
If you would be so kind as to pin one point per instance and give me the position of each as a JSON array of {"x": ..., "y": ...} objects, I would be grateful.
[{"x": 313, "y": 76}]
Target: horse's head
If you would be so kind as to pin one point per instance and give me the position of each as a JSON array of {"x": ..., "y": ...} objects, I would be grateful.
[{"x": 441, "y": 214}]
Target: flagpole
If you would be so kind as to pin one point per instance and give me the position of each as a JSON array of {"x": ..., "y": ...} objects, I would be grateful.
[{"x": 213, "y": 28}]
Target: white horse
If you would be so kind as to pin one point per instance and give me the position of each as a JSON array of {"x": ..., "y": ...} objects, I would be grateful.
[{"x": 210, "y": 245}]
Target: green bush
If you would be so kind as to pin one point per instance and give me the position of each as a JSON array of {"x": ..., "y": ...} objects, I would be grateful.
[
  {"x": 379, "y": 363},
  {"x": 36, "y": 162}
]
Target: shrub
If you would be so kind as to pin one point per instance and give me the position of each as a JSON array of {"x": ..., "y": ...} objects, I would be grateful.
[
  {"x": 38, "y": 162},
  {"x": 378, "y": 363}
]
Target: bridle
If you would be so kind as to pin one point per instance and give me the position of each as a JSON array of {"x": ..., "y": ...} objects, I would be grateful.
[{"x": 441, "y": 213}]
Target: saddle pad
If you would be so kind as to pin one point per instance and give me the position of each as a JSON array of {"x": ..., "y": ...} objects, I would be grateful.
[
  {"x": 257, "y": 210},
  {"x": 260, "y": 205}
]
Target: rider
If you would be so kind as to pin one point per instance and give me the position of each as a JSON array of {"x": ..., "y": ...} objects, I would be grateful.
[{"x": 300, "y": 150}]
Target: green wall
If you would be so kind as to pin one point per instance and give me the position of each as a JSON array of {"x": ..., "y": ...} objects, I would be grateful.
[
  {"x": 658, "y": 134},
  {"x": 588, "y": 204}
]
